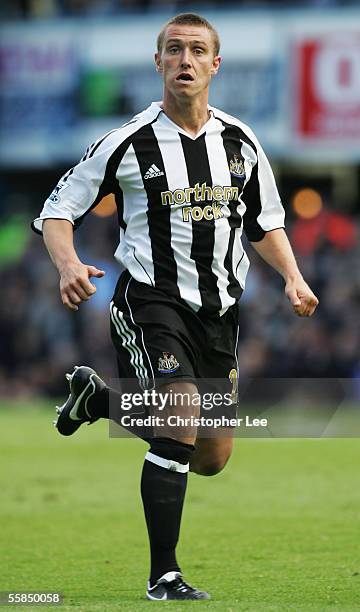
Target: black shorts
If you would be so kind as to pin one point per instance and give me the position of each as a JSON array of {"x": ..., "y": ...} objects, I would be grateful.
[{"x": 159, "y": 339}]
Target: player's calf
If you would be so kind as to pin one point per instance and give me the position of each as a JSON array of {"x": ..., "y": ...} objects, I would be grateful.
[
  {"x": 211, "y": 455},
  {"x": 207, "y": 468}
]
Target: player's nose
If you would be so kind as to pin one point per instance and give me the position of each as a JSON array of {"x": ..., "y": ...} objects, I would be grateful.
[{"x": 185, "y": 58}]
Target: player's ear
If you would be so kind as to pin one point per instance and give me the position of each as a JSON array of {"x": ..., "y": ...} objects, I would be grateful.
[
  {"x": 158, "y": 62},
  {"x": 215, "y": 65}
]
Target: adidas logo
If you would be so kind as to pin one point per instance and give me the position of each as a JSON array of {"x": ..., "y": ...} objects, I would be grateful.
[{"x": 153, "y": 172}]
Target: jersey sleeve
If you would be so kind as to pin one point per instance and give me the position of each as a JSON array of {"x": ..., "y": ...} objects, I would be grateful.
[
  {"x": 264, "y": 211},
  {"x": 82, "y": 187}
]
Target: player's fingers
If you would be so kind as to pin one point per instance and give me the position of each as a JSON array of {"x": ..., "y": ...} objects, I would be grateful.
[
  {"x": 299, "y": 309},
  {"x": 66, "y": 301},
  {"x": 294, "y": 298},
  {"x": 310, "y": 304},
  {"x": 93, "y": 271},
  {"x": 312, "y": 308},
  {"x": 71, "y": 306},
  {"x": 306, "y": 311},
  {"x": 304, "y": 305},
  {"x": 85, "y": 287},
  {"x": 73, "y": 297}
]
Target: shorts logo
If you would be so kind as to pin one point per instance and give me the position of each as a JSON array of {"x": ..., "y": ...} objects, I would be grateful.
[
  {"x": 167, "y": 363},
  {"x": 236, "y": 166},
  {"x": 54, "y": 196}
]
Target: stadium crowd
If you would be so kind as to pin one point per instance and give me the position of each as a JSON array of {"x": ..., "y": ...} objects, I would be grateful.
[
  {"x": 40, "y": 339},
  {"x": 28, "y": 9}
]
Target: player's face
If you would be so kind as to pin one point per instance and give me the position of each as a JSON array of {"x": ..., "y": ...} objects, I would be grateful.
[{"x": 187, "y": 60}]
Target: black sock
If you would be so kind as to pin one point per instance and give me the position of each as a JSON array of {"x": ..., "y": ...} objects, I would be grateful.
[
  {"x": 99, "y": 405},
  {"x": 163, "y": 494},
  {"x": 106, "y": 404}
]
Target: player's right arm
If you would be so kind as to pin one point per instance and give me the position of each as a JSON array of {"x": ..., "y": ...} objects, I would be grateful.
[
  {"x": 75, "y": 195},
  {"x": 75, "y": 285}
]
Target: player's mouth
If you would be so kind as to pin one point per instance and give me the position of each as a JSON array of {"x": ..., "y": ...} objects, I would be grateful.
[{"x": 185, "y": 77}]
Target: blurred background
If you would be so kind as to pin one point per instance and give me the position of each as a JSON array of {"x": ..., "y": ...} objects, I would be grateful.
[{"x": 70, "y": 70}]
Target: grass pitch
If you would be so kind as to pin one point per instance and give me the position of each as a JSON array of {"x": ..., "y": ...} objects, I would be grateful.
[{"x": 277, "y": 530}]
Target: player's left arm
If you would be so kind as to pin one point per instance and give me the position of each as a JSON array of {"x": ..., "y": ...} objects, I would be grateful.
[
  {"x": 264, "y": 220},
  {"x": 276, "y": 250}
]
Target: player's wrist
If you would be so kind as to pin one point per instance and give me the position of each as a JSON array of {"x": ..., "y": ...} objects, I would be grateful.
[
  {"x": 65, "y": 263},
  {"x": 292, "y": 276}
]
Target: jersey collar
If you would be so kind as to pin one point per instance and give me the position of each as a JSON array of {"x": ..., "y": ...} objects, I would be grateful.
[{"x": 179, "y": 129}]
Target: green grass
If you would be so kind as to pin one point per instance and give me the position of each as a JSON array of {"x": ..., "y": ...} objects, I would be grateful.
[{"x": 277, "y": 530}]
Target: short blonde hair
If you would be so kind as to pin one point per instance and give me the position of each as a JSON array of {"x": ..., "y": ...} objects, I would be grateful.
[{"x": 189, "y": 19}]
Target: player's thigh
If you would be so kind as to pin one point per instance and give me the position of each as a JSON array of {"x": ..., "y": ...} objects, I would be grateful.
[
  {"x": 178, "y": 417},
  {"x": 218, "y": 371},
  {"x": 220, "y": 359}
]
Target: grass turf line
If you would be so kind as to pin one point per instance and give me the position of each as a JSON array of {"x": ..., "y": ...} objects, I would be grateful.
[{"x": 277, "y": 530}]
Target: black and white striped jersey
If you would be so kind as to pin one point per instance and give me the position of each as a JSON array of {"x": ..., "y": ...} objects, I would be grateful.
[{"x": 182, "y": 202}]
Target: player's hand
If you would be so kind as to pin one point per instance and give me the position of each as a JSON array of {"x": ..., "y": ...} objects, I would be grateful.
[
  {"x": 75, "y": 285},
  {"x": 303, "y": 300}
]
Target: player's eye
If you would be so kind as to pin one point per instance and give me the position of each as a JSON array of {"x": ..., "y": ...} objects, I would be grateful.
[
  {"x": 173, "y": 49},
  {"x": 199, "y": 50}
]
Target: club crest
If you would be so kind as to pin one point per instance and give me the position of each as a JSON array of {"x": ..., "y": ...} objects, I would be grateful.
[
  {"x": 167, "y": 363},
  {"x": 236, "y": 166},
  {"x": 54, "y": 196}
]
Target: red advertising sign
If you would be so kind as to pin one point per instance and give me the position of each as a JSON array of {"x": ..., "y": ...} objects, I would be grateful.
[{"x": 329, "y": 87}]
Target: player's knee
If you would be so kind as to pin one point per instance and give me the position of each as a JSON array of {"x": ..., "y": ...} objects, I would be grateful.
[{"x": 210, "y": 466}]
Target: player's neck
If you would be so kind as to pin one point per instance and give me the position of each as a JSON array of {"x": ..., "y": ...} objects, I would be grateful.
[{"x": 191, "y": 115}]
